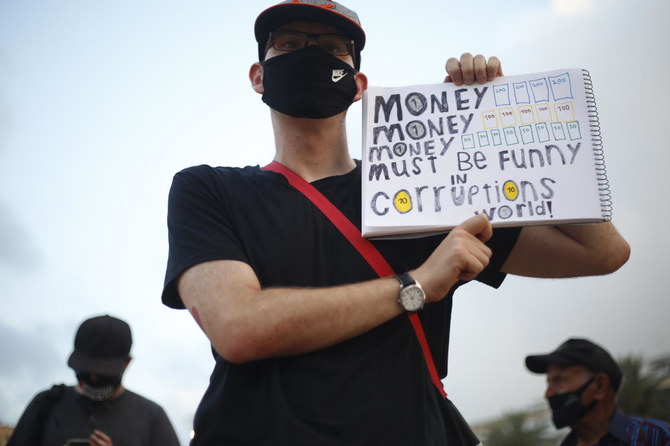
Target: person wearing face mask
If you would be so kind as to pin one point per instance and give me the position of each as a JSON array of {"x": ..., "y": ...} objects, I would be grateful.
[
  {"x": 98, "y": 410},
  {"x": 312, "y": 345},
  {"x": 582, "y": 382}
]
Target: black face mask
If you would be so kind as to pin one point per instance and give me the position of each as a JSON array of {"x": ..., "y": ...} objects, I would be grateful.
[
  {"x": 567, "y": 408},
  {"x": 102, "y": 389},
  {"x": 308, "y": 83}
]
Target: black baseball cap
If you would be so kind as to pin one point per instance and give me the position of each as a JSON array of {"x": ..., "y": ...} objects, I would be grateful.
[
  {"x": 101, "y": 345},
  {"x": 581, "y": 352},
  {"x": 328, "y": 12}
]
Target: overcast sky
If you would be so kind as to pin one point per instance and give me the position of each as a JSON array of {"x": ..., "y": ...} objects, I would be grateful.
[{"x": 102, "y": 102}]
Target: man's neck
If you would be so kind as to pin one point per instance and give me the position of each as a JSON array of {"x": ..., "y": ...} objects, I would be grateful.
[
  {"x": 592, "y": 427},
  {"x": 312, "y": 148}
]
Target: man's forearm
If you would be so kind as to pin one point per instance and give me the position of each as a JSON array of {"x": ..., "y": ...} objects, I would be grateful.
[
  {"x": 568, "y": 251},
  {"x": 246, "y": 323}
]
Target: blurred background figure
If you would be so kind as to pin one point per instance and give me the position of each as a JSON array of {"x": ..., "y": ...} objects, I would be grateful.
[
  {"x": 98, "y": 410},
  {"x": 582, "y": 384}
]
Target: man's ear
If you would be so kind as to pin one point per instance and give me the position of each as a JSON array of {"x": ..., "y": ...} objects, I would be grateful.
[
  {"x": 256, "y": 78},
  {"x": 362, "y": 84},
  {"x": 125, "y": 366},
  {"x": 602, "y": 386}
]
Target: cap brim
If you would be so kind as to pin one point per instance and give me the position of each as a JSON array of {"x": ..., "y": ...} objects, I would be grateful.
[
  {"x": 102, "y": 366},
  {"x": 538, "y": 363},
  {"x": 283, "y": 13}
]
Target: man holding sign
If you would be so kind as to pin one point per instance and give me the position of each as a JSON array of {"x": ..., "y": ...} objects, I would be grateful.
[{"x": 311, "y": 346}]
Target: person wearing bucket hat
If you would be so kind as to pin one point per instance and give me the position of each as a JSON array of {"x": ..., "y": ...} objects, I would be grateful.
[
  {"x": 582, "y": 383},
  {"x": 311, "y": 345},
  {"x": 98, "y": 410}
]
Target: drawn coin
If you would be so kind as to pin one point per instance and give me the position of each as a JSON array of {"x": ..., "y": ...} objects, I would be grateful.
[
  {"x": 416, "y": 103},
  {"x": 511, "y": 190},
  {"x": 399, "y": 149},
  {"x": 416, "y": 130},
  {"x": 402, "y": 201},
  {"x": 505, "y": 212}
]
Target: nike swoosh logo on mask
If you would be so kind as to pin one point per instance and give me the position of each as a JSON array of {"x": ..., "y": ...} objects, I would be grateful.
[{"x": 338, "y": 75}]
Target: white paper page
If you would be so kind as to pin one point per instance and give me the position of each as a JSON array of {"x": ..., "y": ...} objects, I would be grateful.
[{"x": 518, "y": 149}]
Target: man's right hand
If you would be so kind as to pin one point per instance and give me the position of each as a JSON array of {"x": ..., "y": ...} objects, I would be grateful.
[
  {"x": 99, "y": 438},
  {"x": 462, "y": 255}
]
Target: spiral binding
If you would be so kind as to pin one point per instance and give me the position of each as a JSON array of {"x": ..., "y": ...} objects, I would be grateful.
[{"x": 599, "y": 157}]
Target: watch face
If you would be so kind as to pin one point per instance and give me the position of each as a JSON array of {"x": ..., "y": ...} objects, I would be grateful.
[{"x": 412, "y": 298}]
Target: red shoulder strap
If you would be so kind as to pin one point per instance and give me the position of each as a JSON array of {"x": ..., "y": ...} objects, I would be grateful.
[{"x": 364, "y": 247}]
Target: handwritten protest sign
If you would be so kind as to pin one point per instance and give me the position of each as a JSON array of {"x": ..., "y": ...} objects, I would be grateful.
[{"x": 521, "y": 149}]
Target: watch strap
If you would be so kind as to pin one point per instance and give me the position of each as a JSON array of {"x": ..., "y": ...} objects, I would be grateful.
[{"x": 405, "y": 279}]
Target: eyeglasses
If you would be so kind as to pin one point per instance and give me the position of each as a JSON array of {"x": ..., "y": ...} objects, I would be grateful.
[{"x": 287, "y": 40}]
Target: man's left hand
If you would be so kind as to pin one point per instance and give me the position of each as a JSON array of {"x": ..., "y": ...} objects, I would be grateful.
[{"x": 471, "y": 68}]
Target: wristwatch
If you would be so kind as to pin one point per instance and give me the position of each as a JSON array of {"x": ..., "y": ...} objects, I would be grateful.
[{"x": 411, "y": 296}]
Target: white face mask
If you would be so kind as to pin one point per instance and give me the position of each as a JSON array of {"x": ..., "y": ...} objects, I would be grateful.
[{"x": 102, "y": 389}]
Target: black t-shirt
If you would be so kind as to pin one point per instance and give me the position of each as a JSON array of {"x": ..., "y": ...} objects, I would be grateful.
[
  {"x": 372, "y": 389},
  {"x": 129, "y": 420}
]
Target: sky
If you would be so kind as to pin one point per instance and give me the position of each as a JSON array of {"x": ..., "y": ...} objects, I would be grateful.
[{"x": 102, "y": 102}]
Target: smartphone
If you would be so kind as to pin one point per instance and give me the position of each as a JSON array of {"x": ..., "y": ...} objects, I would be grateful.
[{"x": 78, "y": 442}]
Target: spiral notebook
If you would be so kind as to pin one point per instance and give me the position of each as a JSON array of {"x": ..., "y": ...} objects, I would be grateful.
[{"x": 524, "y": 150}]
